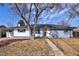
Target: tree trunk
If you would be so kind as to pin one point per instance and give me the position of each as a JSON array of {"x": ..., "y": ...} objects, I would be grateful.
[
  {"x": 30, "y": 30},
  {"x": 35, "y": 26},
  {"x": 30, "y": 33},
  {"x": 34, "y": 31}
]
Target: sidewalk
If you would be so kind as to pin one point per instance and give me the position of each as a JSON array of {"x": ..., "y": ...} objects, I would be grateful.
[
  {"x": 14, "y": 38},
  {"x": 56, "y": 50}
]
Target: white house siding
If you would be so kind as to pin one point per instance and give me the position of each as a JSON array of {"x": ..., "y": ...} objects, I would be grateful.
[
  {"x": 49, "y": 34},
  {"x": 9, "y": 34},
  {"x": 21, "y": 34},
  {"x": 59, "y": 34},
  {"x": 55, "y": 34},
  {"x": 63, "y": 34},
  {"x": 71, "y": 33},
  {"x": 41, "y": 32},
  {"x": 39, "y": 35}
]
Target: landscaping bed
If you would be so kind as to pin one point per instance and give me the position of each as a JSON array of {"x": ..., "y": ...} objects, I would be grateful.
[{"x": 36, "y": 47}]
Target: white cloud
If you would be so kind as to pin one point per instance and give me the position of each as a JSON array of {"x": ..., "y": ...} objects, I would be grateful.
[
  {"x": 44, "y": 18},
  {"x": 58, "y": 14}
]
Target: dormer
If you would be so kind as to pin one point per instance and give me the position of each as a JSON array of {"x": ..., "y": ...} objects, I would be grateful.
[
  {"x": 21, "y": 23},
  {"x": 21, "y": 26}
]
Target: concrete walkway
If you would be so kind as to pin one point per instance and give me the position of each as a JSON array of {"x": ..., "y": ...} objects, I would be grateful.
[
  {"x": 56, "y": 50},
  {"x": 2, "y": 39}
]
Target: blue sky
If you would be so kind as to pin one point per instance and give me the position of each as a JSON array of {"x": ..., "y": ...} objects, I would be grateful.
[{"x": 6, "y": 17}]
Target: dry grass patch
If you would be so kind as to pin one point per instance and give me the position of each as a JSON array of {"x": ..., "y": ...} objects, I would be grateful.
[
  {"x": 26, "y": 47},
  {"x": 74, "y": 43},
  {"x": 64, "y": 47}
]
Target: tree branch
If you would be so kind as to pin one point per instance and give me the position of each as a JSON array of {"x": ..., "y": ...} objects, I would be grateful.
[
  {"x": 22, "y": 15},
  {"x": 29, "y": 13}
]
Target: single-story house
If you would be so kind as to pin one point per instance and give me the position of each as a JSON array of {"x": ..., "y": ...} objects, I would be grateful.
[
  {"x": 42, "y": 30},
  {"x": 47, "y": 30}
]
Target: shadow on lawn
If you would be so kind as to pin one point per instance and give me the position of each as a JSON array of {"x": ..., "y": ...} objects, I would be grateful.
[{"x": 6, "y": 42}]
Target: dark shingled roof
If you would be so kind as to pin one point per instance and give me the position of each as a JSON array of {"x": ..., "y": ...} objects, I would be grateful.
[
  {"x": 54, "y": 27},
  {"x": 47, "y": 26},
  {"x": 2, "y": 26},
  {"x": 21, "y": 22}
]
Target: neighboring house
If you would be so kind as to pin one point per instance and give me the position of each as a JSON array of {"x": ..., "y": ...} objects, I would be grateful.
[
  {"x": 43, "y": 30},
  {"x": 2, "y": 31},
  {"x": 76, "y": 32}
]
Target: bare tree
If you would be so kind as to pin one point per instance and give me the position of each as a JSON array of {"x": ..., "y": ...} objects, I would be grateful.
[
  {"x": 40, "y": 8},
  {"x": 22, "y": 10},
  {"x": 73, "y": 10}
]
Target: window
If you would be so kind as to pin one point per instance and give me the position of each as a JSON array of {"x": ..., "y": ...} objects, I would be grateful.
[
  {"x": 21, "y": 30},
  {"x": 65, "y": 31}
]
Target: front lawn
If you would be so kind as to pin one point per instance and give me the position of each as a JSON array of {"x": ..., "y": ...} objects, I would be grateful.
[
  {"x": 74, "y": 43},
  {"x": 66, "y": 46},
  {"x": 26, "y": 48}
]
